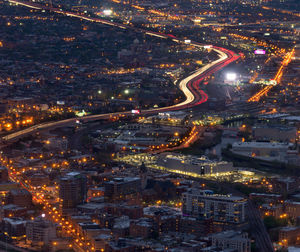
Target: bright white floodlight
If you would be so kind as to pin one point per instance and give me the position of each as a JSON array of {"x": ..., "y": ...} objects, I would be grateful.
[
  {"x": 231, "y": 76},
  {"x": 107, "y": 12}
]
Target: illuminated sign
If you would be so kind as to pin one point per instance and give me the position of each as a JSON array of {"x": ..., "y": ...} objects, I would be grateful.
[
  {"x": 207, "y": 46},
  {"x": 187, "y": 41},
  {"x": 260, "y": 52},
  {"x": 135, "y": 111}
]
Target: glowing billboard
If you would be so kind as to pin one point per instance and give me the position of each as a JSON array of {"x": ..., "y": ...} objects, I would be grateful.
[
  {"x": 135, "y": 111},
  {"x": 260, "y": 52}
]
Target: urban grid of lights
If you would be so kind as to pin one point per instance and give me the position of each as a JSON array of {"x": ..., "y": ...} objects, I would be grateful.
[{"x": 277, "y": 79}]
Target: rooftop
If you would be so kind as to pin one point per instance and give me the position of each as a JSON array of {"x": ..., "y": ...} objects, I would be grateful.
[{"x": 260, "y": 145}]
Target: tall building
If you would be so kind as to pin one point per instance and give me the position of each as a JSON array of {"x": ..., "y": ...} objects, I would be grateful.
[
  {"x": 204, "y": 204},
  {"x": 72, "y": 190},
  {"x": 143, "y": 175}
]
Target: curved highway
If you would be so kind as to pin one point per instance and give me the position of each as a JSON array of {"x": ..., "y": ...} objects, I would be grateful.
[{"x": 190, "y": 85}]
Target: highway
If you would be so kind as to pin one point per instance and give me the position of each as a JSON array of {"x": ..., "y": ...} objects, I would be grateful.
[{"x": 190, "y": 85}]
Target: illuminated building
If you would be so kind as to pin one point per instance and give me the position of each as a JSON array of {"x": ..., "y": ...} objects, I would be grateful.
[
  {"x": 204, "y": 204},
  {"x": 72, "y": 190},
  {"x": 192, "y": 164}
]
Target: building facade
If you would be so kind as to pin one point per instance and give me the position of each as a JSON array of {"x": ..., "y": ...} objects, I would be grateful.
[
  {"x": 73, "y": 190},
  {"x": 204, "y": 204}
]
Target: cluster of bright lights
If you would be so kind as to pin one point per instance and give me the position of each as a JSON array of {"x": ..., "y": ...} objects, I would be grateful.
[{"x": 231, "y": 76}]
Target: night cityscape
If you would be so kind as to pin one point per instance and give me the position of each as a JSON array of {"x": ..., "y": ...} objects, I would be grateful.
[{"x": 150, "y": 125}]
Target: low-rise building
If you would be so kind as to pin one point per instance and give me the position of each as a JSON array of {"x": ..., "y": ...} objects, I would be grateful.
[
  {"x": 20, "y": 197},
  {"x": 262, "y": 150},
  {"x": 278, "y": 133},
  {"x": 234, "y": 240},
  {"x": 142, "y": 227},
  {"x": 122, "y": 188},
  {"x": 289, "y": 236},
  {"x": 14, "y": 227},
  {"x": 292, "y": 209}
]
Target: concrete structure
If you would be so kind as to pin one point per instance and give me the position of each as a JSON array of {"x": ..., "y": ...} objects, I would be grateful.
[{"x": 204, "y": 204}]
